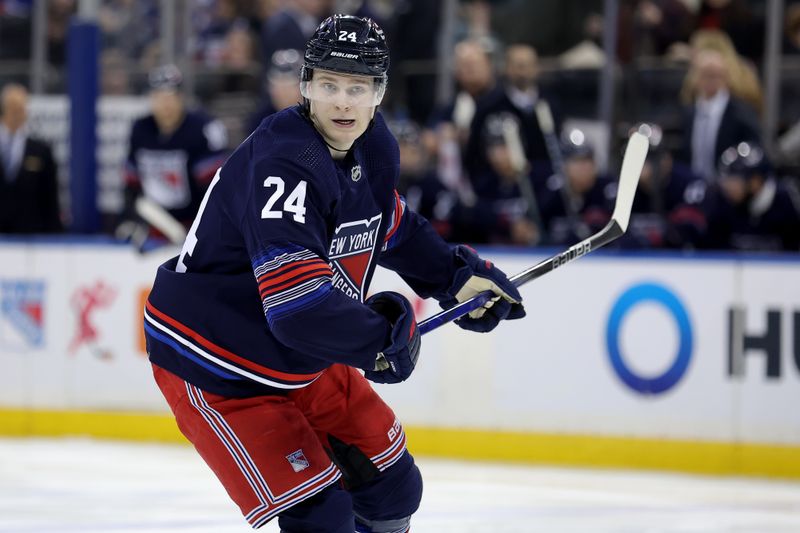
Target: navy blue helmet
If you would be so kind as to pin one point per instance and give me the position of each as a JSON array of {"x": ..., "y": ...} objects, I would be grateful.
[
  {"x": 349, "y": 45},
  {"x": 744, "y": 159}
]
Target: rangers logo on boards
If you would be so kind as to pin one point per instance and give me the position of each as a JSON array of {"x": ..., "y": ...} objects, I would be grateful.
[
  {"x": 351, "y": 251},
  {"x": 22, "y": 304},
  {"x": 298, "y": 460},
  {"x": 85, "y": 301}
]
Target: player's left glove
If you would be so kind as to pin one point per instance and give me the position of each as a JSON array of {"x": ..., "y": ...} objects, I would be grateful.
[
  {"x": 396, "y": 362},
  {"x": 478, "y": 275}
]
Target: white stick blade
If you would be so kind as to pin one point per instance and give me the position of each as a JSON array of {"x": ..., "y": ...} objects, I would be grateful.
[
  {"x": 632, "y": 164},
  {"x": 159, "y": 218}
]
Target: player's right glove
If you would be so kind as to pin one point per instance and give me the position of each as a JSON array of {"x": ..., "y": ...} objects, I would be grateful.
[{"x": 396, "y": 362}]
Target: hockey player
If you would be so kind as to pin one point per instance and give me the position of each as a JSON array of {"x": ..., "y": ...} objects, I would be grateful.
[
  {"x": 750, "y": 209},
  {"x": 173, "y": 152},
  {"x": 258, "y": 329}
]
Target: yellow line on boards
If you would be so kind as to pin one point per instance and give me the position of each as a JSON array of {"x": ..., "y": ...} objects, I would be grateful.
[{"x": 720, "y": 458}]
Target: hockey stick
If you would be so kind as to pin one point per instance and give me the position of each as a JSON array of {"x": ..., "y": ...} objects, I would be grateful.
[
  {"x": 548, "y": 127},
  {"x": 632, "y": 164}
]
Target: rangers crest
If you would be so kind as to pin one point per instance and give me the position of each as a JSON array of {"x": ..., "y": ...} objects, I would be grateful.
[
  {"x": 351, "y": 251},
  {"x": 298, "y": 460},
  {"x": 22, "y": 304}
]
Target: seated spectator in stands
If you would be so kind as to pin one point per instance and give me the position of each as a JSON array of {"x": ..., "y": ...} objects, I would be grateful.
[
  {"x": 716, "y": 119},
  {"x": 292, "y": 25},
  {"x": 28, "y": 172},
  {"x": 474, "y": 76},
  {"x": 174, "y": 152},
  {"x": 241, "y": 69},
  {"x": 668, "y": 205},
  {"x": 518, "y": 96},
  {"x": 418, "y": 183},
  {"x": 743, "y": 81},
  {"x": 282, "y": 85},
  {"x": 750, "y": 209},
  {"x": 647, "y": 28},
  {"x": 580, "y": 202}
]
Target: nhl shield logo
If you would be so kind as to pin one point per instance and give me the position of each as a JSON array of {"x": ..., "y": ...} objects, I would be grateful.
[
  {"x": 355, "y": 173},
  {"x": 297, "y": 460}
]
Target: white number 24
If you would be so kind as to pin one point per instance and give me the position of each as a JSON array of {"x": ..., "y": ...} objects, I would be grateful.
[{"x": 294, "y": 203}]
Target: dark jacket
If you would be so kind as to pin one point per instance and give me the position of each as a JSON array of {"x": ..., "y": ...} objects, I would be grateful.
[
  {"x": 29, "y": 203},
  {"x": 739, "y": 124}
]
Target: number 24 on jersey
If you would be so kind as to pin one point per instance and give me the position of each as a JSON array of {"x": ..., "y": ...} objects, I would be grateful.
[{"x": 294, "y": 202}]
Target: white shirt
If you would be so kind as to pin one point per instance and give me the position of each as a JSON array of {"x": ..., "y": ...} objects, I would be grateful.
[
  {"x": 707, "y": 117},
  {"x": 12, "y": 148},
  {"x": 523, "y": 100}
]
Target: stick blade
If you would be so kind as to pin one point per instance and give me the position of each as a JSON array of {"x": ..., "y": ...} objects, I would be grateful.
[{"x": 632, "y": 164}]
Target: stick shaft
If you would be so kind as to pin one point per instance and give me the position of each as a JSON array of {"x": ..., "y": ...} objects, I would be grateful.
[{"x": 599, "y": 239}]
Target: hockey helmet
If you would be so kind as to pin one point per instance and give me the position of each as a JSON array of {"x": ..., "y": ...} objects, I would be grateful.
[
  {"x": 575, "y": 145},
  {"x": 347, "y": 45},
  {"x": 165, "y": 77},
  {"x": 745, "y": 159}
]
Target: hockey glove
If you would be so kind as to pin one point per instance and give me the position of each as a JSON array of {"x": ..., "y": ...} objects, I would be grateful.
[
  {"x": 478, "y": 275},
  {"x": 395, "y": 363}
]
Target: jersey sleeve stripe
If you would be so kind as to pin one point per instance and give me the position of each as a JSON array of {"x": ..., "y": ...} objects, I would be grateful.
[
  {"x": 224, "y": 354},
  {"x": 397, "y": 215},
  {"x": 290, "y": 280},
  {"x": 287, "y": 267}
]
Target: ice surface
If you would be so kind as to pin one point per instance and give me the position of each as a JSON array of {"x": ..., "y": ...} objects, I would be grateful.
[{"x": 77, "y": 485}]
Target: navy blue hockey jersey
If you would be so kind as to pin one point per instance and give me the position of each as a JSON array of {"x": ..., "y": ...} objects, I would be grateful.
[
  {"x": 175, "y": 170},
  {"x": 268, "y": 290}
]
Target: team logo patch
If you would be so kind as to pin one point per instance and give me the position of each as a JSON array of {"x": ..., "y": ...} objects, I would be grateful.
[
  {"x": 355, "y": 173},
  {"x": 297, "y": 460},
  {"x": 85, "y": 302},
  {"x": 22, "y": 304},
  {"x": 351, "y": 251}
]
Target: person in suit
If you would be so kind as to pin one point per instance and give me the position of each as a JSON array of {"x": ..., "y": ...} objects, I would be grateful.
[
  {"x": 716, "y": 119},
  {"x": 28, "y": 172}
]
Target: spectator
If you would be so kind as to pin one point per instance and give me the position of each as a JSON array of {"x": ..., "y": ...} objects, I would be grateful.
[
  {"x": 28, "y": 174},
  {"x": 517, "y": 96},
  {"x": 743, "y": 79},
  {"x": 282, "y": 86},
  {"x": 667, "y": 208},
  {"x": 750, "y": 209},
  {"x": 291, "y": 26},
  {"x": 242, "y": 70},
  {"x": 474, "y": 76},
  {"x": 174, "y": 152},
  {"x": 580, "y": 202},
  {"x": 716, "y": 119},
  {"x": 648, "y": 28}
]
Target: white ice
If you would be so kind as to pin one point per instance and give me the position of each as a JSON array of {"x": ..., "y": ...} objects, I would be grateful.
[{"x": 77, "y": 485}]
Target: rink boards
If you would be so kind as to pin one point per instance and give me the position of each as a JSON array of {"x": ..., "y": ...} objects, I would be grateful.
[{"x": 655, "y": 361}]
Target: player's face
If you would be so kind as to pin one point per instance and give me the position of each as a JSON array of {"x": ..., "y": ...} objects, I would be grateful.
[{"x": 341, "y": 106}]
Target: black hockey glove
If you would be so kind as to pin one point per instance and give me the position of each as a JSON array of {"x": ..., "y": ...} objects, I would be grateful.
[
  {"x": 478, "y": 275},
  {"x": 396, "y": 362}
]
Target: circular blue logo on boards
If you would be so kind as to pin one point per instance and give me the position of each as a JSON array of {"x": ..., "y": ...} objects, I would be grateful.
[{"x": 658, "y": 294}]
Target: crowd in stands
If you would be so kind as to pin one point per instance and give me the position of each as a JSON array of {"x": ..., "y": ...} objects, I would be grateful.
[{"x": 514, "y": 157}]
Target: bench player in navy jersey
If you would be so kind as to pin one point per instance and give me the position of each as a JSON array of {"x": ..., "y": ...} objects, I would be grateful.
[{"x": 257, "y": 331}]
